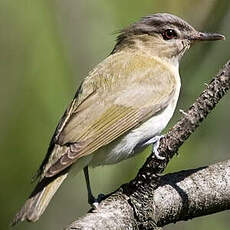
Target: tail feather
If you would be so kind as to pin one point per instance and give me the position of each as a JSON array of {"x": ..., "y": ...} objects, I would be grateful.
[{"x": 39, "y": 199}]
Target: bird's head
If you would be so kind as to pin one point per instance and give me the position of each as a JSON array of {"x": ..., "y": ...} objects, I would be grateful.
[{"x": 163, "y": 35}]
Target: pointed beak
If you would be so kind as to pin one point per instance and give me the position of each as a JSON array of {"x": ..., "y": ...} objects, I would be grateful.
[{"x": 200, "y": 36}]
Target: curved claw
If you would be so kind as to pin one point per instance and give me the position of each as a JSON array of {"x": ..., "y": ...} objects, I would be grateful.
[
  {"x": 156, "y": 146},
  {"x": 96, "y": 201}
]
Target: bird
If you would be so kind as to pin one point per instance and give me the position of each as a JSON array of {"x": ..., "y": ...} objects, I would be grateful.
[{"x": 120, "y": 108}]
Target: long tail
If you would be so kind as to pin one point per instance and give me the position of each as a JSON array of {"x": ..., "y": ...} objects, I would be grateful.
[{"x": 39, "y": 199}]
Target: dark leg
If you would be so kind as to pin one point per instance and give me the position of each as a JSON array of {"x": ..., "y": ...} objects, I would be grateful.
[{"x": 91, "y": 198}]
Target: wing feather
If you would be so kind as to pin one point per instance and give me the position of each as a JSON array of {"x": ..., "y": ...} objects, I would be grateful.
[
  {"x": 104, "y": 134},
  {"x": 99, "y": 115}
]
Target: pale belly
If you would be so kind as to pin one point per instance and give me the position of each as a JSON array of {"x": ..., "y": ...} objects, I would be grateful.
[{"x": 128, "y": 145}]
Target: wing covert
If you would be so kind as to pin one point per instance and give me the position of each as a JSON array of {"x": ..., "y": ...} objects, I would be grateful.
[{"x": 109, "y": 111}]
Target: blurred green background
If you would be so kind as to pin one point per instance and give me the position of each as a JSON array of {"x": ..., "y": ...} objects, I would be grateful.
[{"x": 46, "y": 48}]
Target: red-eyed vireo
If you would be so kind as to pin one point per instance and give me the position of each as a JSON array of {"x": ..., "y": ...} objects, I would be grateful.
[{"x": 121, "y": 106}]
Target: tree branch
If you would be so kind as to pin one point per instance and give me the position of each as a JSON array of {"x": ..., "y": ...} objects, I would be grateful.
[
  {"x": 180, "y": 196},
  {"x": 133, "y": 205}
]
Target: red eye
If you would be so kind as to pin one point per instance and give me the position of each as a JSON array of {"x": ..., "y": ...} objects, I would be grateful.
[{"x": 169, "y": 34}]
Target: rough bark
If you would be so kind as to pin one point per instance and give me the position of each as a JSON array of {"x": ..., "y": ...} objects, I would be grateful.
[
  {"x": 179, "y": 196},
  {"x": 134, "y": 205}
]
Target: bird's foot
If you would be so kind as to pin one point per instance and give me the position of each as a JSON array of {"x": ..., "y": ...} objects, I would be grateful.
[
  {"x": 183, "y": 112},
  {"x": 156, "y": 143},
  {"x": 91, "y": 199},
  {"x": 95, "y": 201}
]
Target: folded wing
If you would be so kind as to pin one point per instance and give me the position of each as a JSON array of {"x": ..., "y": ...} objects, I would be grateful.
[{"x": 108, "y": 111}]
